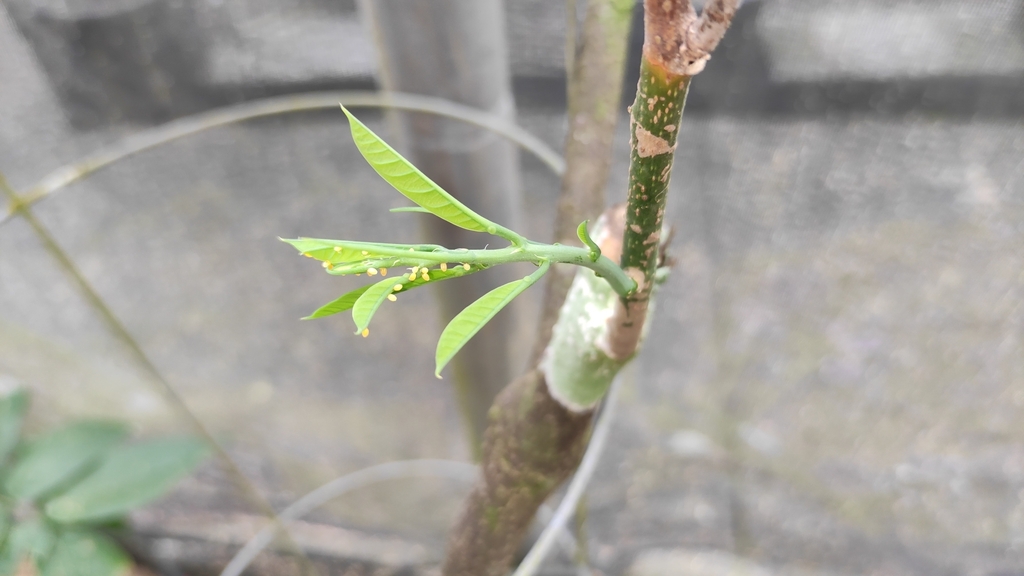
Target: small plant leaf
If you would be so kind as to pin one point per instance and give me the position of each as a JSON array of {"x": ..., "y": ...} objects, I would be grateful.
[
  {"x": 412, "y": 183},
  {"x": 336, "y": 251},
  {"x": 32, "y": 538},
  {"x": 371, "y": 299},
  {"x": 375, "y": 295},
  {"x": 127, "y": 478},
  {"x": 82, "y": 553},
  {"x": 467, "y": 323},
  {"x": 410, "y": 209},
  {"x": 340, "y": 305},
  {"x": 51, "y": 462},
  {"x": 6, "y": 508},
  {"x": 12, "y": 413},
  {"x": 595, "y": 250}
]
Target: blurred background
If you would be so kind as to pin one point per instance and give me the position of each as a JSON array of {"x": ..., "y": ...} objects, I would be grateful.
[{"x": 833, "y": 385}]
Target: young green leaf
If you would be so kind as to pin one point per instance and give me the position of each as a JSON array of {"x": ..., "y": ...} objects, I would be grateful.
[
  {"x": 81, "y": 553},
  {"x": 467, "y": 323},
  {"x": 336, "y": 251},
  {"x": 595, "y": 250},
  {"x": 371, "y": 299},
  {"x": 375, "y": 294},
  {"x": 12, "y": 412},
  {"x": 412, "y": 183},
  {"x": 340, "y": 305},
  {"x": 56, "y": 459},
  {"x": 127, "y": 478}
]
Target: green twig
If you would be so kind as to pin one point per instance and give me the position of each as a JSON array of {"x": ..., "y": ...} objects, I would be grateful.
[{"x": 401, "y": 256}]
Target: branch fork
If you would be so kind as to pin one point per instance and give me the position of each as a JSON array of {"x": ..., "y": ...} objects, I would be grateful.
[{"x": 678, "y": 39}]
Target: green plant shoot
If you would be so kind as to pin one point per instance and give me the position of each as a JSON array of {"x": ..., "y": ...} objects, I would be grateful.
[{"x": 421, "y": 264}]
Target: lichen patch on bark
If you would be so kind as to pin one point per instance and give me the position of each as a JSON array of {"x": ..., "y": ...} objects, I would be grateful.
[{"x": 648, "y": 144}]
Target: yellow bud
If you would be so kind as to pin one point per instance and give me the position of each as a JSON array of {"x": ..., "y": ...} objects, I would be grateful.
[
  {"x": 371, "y": 271},
  {"x": 465, "y": 267},
  {"x": 397, "y": 287},
  {"x": 444, "y": 267},
  {"x": 337, "y": 248},
  {"x": 383, "y": 271},
  {"x": 426, "y": 277},
  {"x": 392, "y": 297},
  {"x": 365, "y": 252},
  {"x": 366, "y": 332},
  {"x": 412, "y": 276}
]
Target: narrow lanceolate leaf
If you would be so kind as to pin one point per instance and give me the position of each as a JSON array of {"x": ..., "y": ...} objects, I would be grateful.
[
  {"x": 375, "y": 295},
  {"x": 370, "y": 300},
  {"x": 338, "y": 251},
  {"x": 127, "y": 478},
  {"x": 412, "y": 183},
  {"x": 81, "y": 553},
  {"x": 12, "y": 412},
  {"x": 56, "y": 459},
  {"x": 340, "y": 305},
  {"x": 410, "y": 209},
  {"x": 467, "y": 323}
]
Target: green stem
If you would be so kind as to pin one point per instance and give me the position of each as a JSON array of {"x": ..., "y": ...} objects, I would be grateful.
[
  {"x": 654, "y": 127},
  {"x": 534, "y": 252}
]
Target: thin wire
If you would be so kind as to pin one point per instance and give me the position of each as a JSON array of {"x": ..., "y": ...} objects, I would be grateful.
[
  {"x": 571, "y": 44},
  {"x": 452, "y": 469},
  {"x": 68, "y": 174},
  {"x": 339, "y": 486},
  {"x": 121, "y": 333},
  {"x": 189, "y": 125},
  {"x": 578, "y": 485}
]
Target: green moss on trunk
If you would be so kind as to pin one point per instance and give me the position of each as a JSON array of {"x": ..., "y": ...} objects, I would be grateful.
[{"x": 532, "y": 445}]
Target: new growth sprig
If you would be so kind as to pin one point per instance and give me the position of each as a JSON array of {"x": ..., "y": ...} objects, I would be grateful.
[{"x": 415, "y": 265}]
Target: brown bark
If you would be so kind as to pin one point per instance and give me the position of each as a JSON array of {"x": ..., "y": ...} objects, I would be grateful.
[{"x": 532, "y": 445}]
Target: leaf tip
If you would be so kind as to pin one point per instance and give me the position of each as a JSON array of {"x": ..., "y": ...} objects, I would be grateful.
[{"x": 348, "y": 114}]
